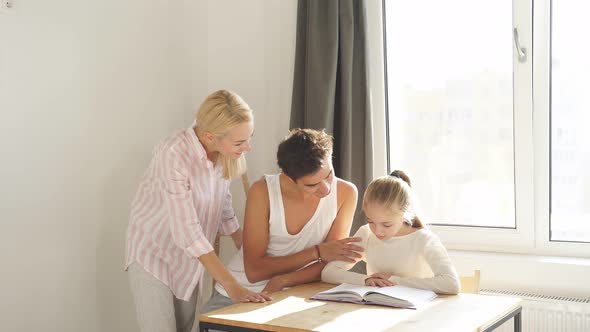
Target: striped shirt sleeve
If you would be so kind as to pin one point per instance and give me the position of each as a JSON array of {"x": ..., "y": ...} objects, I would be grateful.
[
  {"x": 229, "y": 221},
  {"x": 185, "y": 225}
]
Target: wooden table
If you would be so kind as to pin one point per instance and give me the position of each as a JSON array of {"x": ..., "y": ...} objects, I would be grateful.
[{"x": 292, "y": 311}]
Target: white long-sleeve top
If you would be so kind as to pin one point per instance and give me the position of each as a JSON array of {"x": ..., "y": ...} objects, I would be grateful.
[{"x": 416, "y": 260}]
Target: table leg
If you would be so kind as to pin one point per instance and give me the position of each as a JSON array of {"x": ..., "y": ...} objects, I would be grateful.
[{"x": 513, "y": 314}]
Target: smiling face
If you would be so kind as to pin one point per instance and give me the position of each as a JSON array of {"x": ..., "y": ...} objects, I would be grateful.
[
  {"x": 385, "y": 222},
  {"x": 320, "y": 182},
  {"x": 236, "y": 141}
]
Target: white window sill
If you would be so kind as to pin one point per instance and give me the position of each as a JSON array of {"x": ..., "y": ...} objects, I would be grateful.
[{"x": 550, "y": 275}]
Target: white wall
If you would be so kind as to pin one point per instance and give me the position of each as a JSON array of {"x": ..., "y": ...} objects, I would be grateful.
[
  {"x": 86, "y": 89},
  {"x": 251, "y": 48}
]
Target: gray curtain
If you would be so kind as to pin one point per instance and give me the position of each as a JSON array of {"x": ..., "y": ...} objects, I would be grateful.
[{"x": 330, "y": 88}]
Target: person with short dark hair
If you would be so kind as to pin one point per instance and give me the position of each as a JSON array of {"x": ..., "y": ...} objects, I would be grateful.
[
  {"x": 295, "y": 221},
  {"x": 303, "y": 152}
]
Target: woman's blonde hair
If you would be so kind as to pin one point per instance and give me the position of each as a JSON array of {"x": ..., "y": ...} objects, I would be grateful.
[
  {"x": 392, "y": 192},
  {"x": 218, "y": 113}
]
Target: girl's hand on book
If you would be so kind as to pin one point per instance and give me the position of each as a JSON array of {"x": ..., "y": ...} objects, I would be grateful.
[
  {"x": 378, "y": 282},
  {"x": 341, "y": 250}
]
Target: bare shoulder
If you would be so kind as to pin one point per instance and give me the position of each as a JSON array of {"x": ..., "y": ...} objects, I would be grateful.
[
  {"x": 258, "y": 189},
  {"x": 346, "y": 190},
  {"x": 257, "y": 203}
]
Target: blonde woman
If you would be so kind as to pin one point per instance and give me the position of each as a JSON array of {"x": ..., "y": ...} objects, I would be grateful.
[{"x": 182, "y": 202}]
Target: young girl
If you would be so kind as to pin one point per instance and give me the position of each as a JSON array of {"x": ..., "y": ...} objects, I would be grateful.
[
  {"x": 182, "y": 202},
  {"x": 399, "y": 250}
]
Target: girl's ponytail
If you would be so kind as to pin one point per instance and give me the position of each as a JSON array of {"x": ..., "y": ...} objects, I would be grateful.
[{"x": 393, "y": 191}]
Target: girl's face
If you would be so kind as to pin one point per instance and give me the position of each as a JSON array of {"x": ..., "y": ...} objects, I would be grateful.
[
  {"x": 320, "y": 182},
  {"x": 236, "y": 141},
  {"x": 384, "y": 222}
]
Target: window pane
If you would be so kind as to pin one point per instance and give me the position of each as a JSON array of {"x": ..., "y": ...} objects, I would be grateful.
[
  {"x": 450, "y": 104},
  {"x": 570, "y": 122}
]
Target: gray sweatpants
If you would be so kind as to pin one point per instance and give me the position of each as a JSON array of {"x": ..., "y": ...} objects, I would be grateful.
[
  {"x": 157, "y": 309},
  {"x": 217, "y": 301}
]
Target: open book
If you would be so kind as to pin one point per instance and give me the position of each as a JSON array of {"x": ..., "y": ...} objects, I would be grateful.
[{"x": 393, "y": 296}]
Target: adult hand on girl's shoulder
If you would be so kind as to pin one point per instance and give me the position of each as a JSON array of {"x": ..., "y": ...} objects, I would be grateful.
[
  {"x": 341, "y": 250},
  {"x": 378, "y": 282},
  {"x": 240, "y": 294}
]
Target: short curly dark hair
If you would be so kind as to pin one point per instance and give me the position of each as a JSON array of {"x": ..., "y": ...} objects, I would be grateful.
[{"x": 303, "y": 152}]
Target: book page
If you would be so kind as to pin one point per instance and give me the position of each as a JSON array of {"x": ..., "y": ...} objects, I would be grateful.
[
  {"x": 412, "y": 295},
  {"x": 380, "y": 299},
  {"x": 348, "y": 288},
  {"x": 394, "y": 296}
]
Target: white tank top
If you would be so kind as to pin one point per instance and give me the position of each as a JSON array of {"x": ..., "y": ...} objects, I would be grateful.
[{"x": 280, "y": 242}]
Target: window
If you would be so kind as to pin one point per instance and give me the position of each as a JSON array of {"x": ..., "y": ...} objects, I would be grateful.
[
  {"x": 569, "y": 120},
  {"x": 490, "y": 171}
]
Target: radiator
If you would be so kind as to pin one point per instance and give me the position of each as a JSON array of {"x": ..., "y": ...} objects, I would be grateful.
[{"x": 543, "y": 313}]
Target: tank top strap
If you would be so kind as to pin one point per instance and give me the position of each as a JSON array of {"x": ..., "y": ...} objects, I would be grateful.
[
  {"x": 275, "y": 197},
  {"x": 330, "y": 208}
]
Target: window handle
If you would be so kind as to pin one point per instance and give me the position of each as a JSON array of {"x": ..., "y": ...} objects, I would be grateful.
[{"x": 521, "y": 50}]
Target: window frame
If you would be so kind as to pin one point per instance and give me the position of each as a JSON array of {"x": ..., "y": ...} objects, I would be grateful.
[
  {"x": 531, "y": 142},
  {"x": 542, "y": 127}
]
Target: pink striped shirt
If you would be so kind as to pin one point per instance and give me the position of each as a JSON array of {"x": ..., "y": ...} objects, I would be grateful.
[{"x": 181, "y": 204}]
